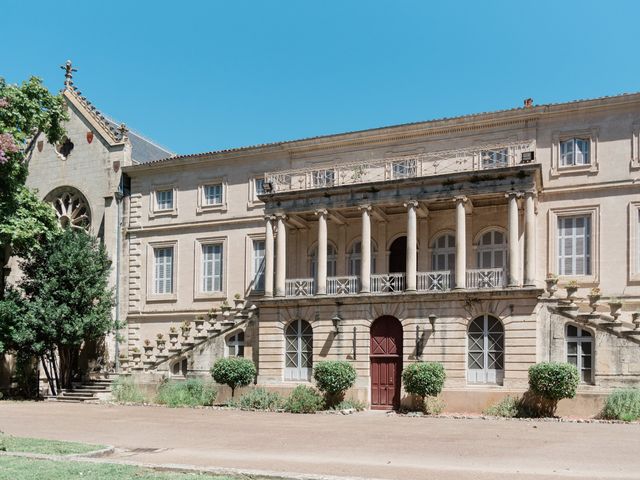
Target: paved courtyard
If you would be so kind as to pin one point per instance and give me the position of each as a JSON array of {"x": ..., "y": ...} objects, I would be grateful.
[{"x": 368, "y": 445}]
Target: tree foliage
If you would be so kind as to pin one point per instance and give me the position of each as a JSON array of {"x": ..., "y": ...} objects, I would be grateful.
[
  {"x": 62, "y": 301},
  {"x": 234, "y": 372},
  {"x": 26, "y": 112},
  {"x": 334, "y": 378},
  {"x": 424, "y": 379}
]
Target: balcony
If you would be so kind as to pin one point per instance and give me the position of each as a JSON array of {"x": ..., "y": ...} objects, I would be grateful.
[
  {"x": 395, "y": 283},
  {"x": 480, "y": 158}
]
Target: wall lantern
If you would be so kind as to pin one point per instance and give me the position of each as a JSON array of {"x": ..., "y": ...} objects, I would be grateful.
[
  {"x": 432, "y": 320},
  {"x": 336, "y": 320}
]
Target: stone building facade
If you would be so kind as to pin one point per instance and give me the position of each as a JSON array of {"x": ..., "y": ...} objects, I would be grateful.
[{"x": 443, "y": 240}]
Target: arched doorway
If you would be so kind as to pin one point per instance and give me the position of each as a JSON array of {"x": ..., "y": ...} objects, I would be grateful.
[
  {"x": 386, "y": 362},
  {"x": 398, "y": 255}
]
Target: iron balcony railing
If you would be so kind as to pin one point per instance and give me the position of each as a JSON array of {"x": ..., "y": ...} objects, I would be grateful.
[
  {"x": 479, "y": 278},
  {"x": 343, "y": 285},
  {"x": 490, "y": 156}
]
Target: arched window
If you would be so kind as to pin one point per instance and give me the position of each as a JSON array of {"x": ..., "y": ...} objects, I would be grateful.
[
  {"x": 331, "y": 261},
  {"x": 492, "y": 250},
  {"x": 485, "y": 355},
  {"x": 179, "y": 367},
  {"x": 298, "y": 350},
  {"x": 355, "y": 256},
  {"x": 235, "y": 345},
  {"x": 443, "y": 256},
  {"x": 580, "y": 351}
]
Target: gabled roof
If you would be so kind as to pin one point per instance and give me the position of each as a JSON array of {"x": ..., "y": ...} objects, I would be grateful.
[{"x": 143, "y": 150}]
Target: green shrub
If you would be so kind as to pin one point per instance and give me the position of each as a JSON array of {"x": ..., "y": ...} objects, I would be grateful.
[
  {"x": 424, "y": 379},
  {"x": 433, "y": 406},
  {"x": 234, "y": 372},
  {"x": 304, "y": 399},
  {"x": 623, "y": 404},
  {"x": 350, "y": 404},
  {"x": 334, "y": 378},
  {"x": 259, "y": 399},
  {"x": 193, "y": 392},
  {"x": 551, "y": 382},
  {"x": 123, "y": 390},
  {"x": 508, "y": 407}
]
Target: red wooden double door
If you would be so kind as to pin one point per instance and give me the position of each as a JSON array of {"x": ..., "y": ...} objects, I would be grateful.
[{"x": 386, "y": 363}]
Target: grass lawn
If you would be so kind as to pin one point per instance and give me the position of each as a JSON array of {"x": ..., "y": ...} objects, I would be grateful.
[
  {"x": 16, "y": 468},
  {"x": 48, "y": 447}
]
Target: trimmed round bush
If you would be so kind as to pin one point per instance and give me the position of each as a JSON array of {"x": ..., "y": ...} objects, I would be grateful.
[
  {"x": 554, "y": 381},
  {"x": 623, "y": 404},
  {"x": 424, "y": 379},
  {"x": 304, "y": 399},
  {"x": 234, "y": 372},
  {"x": 334, "y": 377}
]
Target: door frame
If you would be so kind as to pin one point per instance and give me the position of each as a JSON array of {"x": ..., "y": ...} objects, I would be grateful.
[{"x": 397, "y": 358}]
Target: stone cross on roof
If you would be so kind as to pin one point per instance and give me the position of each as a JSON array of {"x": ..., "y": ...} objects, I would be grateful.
[{"x": 68, "y": 73}]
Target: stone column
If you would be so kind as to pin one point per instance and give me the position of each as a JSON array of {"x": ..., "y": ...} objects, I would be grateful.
[
  {"x": 321, "y": 266},
  {"x": 529, "y": 239},
  {"x": 514, "y": 257},
  {"x": 365, "y": 250},
  {"x": 281, "y": 256},
  {"x": 461, "y": 242},
  {"x": 268, "y": 257},
  {"x": 412, "y": 245}
]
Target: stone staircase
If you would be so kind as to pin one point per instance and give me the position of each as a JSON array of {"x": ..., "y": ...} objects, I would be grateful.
[{"x": 92, "y": 390}]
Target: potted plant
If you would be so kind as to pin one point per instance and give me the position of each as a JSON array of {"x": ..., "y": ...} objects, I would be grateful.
[
  {"x": 225, "y": 306},
  {"x": 615, "y": 304},
  {"x": 160, "y": 341},
  {"x": 186, "y": 329},
  {"x": 199, "y": 321},
  {"x": 552, "y": 284},
  {"x": 136, "y": 355},
  {"x": 173, "y": 335},
  {"x": 572, "y": 288},
  {"x": 212, "y": 313},
  {"x": 238, "y": 300},
  {"x": 148, "y": 348},
  {"x": 594, "y": 296}
]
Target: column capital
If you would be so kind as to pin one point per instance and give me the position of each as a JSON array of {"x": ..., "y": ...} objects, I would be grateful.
[
  {"x": 460, "y": 199},
  {"x": 465, "y": 202},
  {"x": 280, "y": 216},
  {"x": 410, "y": 204},
  {"x": 365, "y": 206},
  {"x": 530, "y": 193},
  {"x": 321, "y": 212},
  {"x": 269, "y": 218},
  {"x": 514, "y": 194}
]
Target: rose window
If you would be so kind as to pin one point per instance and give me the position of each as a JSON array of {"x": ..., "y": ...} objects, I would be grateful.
[{"x": 71, "y": 208}]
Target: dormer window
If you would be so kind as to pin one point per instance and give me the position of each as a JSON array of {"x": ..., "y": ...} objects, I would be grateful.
[{"x": 574, "y": 151}]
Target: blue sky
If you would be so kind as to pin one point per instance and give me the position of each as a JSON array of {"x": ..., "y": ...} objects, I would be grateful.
[{"x": 205, "y": 75}]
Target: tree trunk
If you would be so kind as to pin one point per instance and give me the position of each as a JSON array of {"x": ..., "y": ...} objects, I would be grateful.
[
  {"x": 5, "y": 254},
  {"x": 52, "y": 386},
  {"x": 68, "y": 355}
]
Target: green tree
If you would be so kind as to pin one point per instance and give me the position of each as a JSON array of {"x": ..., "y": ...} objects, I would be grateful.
[
  {"x": 26, "y": 111},
  {"x": 62, "y": 301},
  {"x": 234, "y": 372}
]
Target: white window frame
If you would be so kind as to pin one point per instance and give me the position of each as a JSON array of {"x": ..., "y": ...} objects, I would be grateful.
[
  {"x": 593, "y": 278},
  {"x": 485, "y": 375},
  {"x": 569, "y": 222},
  {"x": 152, "y": 295},
  {"x": 323, "y": 178},
  {"x": 332, "y": 261},
  {"x": 206, "y": 201},
  {"x": 202, "y": 206},
  {"x": 298, "y": 372},
  {"x": 494, "y": 248},
  {"x": 233, "y": 342},
  {"x": 198, "y": 281},
  {"x": 257, "y": 275},
  {"x": 154, "y": 209},
  {"x": 253, "y": 200},
  {"x": 588, "y": 134},
  {"x": 579, "y": 340},
  {"x": 446, "y": 251},
  {"x": 212, "y": 273}
]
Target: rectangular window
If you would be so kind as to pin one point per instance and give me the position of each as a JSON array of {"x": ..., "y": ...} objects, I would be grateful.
[
  {"x": 164, "y": 200},
  {"x": 212, "y": 267},
  {"x": 323, "y": 178},
  {"x": 574, "y": 245},
  {"x": 574, "y": 151},
  {"x": 212, "y": 194},
  {"x": 258, "y": 186},
  {"x": 163, "y": 270},
  {"x": 258, "y": 264},
  {"x": 404, "y": 168},
  {"x": 495, "y": 158}
]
